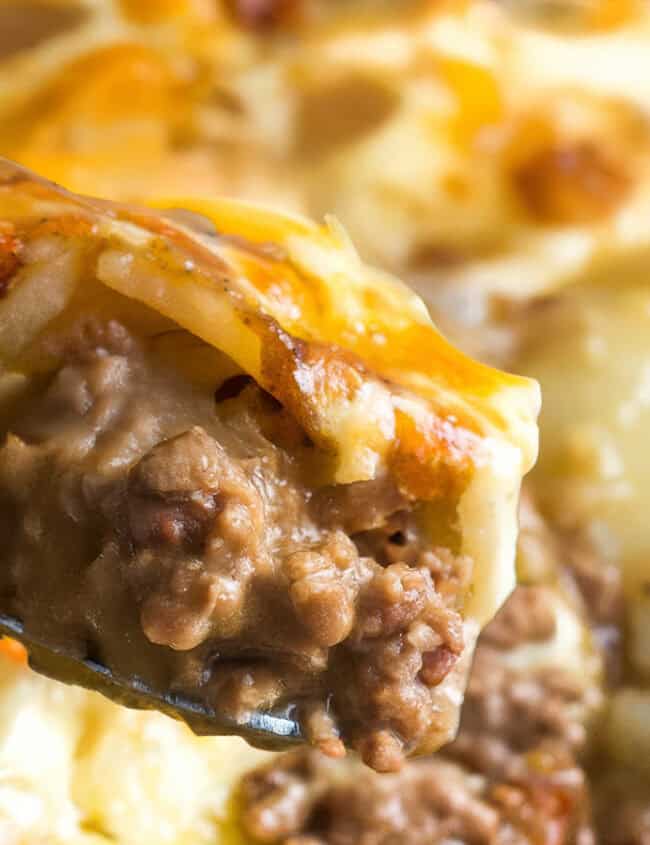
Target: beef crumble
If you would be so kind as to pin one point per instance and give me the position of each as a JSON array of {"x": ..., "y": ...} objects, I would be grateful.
[
  {"x": 514, "y": 707},
  {"x": 511, "y": 776},
  {"x": 303, "y": 799},
  {"x": 507, "y": 713},
  {"x": 528, "y": 616},
  {"x": 200, "y": 556},
  {"x": 427, "y": 803},
  {"x": 515, "y": 773}
]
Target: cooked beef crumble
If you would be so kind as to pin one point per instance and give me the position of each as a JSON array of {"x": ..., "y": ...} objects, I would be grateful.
[
  {"x": 528, "y": 616},
  {"x": 511, "y": 776},
  {"x": 510, "y": 712},
  {"x": 303, "y": 799},
  {"x": 200, "y": 555},
  {"x": 425, "y": 803},
  {"x": 515, "y": 773}
]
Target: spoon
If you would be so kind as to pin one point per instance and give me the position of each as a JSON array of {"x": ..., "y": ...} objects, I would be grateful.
[{"x": 272, "y": 730}]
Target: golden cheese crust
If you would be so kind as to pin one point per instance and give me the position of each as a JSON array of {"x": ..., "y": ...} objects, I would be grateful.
[
  {"x": 352, "y": 358},
  {"x": 316, "y": 328},
  {"x": 540, "y": 167}
]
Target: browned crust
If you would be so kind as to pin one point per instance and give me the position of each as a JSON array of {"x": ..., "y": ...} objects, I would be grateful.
[
  {"x": 436, "y": 443},
  {"x": 572, "y": 183},
  {"x": 430, "y": 458},
  {"x": 264, "y": 15}
]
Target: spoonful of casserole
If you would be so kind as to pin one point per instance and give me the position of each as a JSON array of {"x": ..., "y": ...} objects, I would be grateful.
[{"x": 243, "y": 479}]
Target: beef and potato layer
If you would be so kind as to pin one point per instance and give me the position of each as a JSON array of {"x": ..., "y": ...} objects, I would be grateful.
[
  {"x": 191, "y": 532},
  {"x": 243, "y": 468}
]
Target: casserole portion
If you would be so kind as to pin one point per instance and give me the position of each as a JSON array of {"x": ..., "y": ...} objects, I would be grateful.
[{"x": 241, "y": 466}]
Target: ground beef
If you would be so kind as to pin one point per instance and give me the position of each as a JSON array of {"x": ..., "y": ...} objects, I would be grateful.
[
  {"x": 302, "y": 799},
  {"x": 511, "y": 776},
  {"x": 186, "y": 543},
  {"x": 362, "y": 507},
  {"x": 194, "y": 516},
  {"x": 508, "y": 712},
  {"x": 514, "y": 774},
  {"x": 324, "y": 586},
  {"x": 528, "y": 616}
]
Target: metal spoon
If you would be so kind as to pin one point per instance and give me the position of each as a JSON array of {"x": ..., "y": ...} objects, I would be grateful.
[{"x": 271, "y": 730}]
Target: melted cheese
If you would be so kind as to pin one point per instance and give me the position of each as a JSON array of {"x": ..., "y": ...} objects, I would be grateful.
[
  {"x": 350, "y": 352},
  {"x": 176, "y": 98},
  {"x": 310, "y": 290},
  {"x": 463, "y": 91}
]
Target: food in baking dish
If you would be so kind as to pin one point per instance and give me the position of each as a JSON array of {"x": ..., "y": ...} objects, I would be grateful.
[
  {"x": 493, "y": 153},
  {"x": 241, "y": 465}
]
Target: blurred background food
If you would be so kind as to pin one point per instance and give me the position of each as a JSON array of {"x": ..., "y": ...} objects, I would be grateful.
[
  {"x": 501, "y": 145},
  {"x": 496, "y": 155}
]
